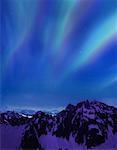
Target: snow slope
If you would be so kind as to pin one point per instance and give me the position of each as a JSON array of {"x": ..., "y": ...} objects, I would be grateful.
[{"x": 11, "y": 136}]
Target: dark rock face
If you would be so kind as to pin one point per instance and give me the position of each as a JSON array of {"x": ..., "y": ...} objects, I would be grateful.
[
  {"x": 30, "y": 139},
  {"x": 35, "y": 128},
  {"x": 87, "y": 122}
]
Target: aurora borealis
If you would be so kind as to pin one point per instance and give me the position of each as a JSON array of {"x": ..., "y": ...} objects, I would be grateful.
[{"x": 58, "y": 51}]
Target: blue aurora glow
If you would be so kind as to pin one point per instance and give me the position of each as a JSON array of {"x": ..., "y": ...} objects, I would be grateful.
[{"x": 58, "y": 51}]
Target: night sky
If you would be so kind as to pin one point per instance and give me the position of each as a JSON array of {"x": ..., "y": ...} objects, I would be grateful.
[{"x": 56, "y": 52}]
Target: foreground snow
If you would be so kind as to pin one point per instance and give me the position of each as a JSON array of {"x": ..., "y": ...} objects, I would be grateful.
[
  {"x": 11, "y": 137},
  {"x": 50, "y": 142}
]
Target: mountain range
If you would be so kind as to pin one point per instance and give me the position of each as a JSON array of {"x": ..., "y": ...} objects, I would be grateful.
[{"x": 87, "y": 125}]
